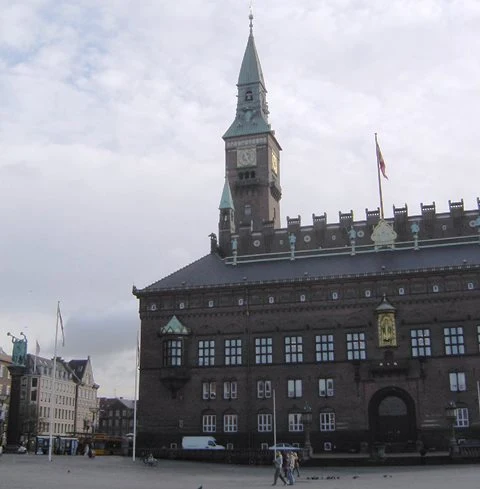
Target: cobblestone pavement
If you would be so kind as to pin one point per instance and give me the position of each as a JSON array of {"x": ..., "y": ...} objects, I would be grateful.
[{"x": 64, "y": 472}]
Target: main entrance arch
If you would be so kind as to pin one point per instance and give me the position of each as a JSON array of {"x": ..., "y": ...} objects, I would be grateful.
[{"x": 391, "y": 415}]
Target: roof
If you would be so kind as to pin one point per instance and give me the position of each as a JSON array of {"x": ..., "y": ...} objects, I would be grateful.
[
  {"x": 226, "y": 201},
  {"x": 78, "y": 367},
  {"x": 211, "y": 270},
  {"x": 251, "y": 70}
]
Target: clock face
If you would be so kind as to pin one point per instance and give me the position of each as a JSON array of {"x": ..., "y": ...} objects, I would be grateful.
[
  {"x": 247, "y": 157},
  {"x": 274, "y": 163}
]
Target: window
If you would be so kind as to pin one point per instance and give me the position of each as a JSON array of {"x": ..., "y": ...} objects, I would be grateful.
[
  {"x": 324, "y": 351},
  {"x": 206, "y": 353},
  {"x": 209, "y": 390},
  {"x": 233, "y": 352},
  {"x": 435, "y": 288},
  {"x": 264, "y": 422},
  {"x": 457, "y": 382},
  {"x": 368, "y": 293},
  {"x": 302, "y": 297},
  {"x": 454, "y": 343},
  {"x": 230, "y": 423},
  {"x": 209, "y": 423},
  {"x": 462, "y": 418},
  {"x": 327, "y": 421},
  {"x": 470, "y": 286},
  {"x": 230, "y": 389},
  {"x": 263, "y": 350},
  {"x": 420, "y": 343},
  {"x": 293, "y": 349},
  {"x": 295, "y": 422},
  {"x": 271, "y": 300},
  {"x": 172, "y": 353},
  {"x": 294, "y": 388},
  {"x": 478, "y": 337},
  {"x": 401, "y": 291},
  {"x": 325, "y": 387},
  {"x": 334, "y": 296},
  {"x": 264, "y": 389},
  {"x": 211, "y": 303},
  {"x": 356, "y": 346}
]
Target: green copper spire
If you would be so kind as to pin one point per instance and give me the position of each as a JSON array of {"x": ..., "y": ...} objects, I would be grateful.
[
  {"x": 252, "y": 107},
  {"x": 226, "y": 202}
]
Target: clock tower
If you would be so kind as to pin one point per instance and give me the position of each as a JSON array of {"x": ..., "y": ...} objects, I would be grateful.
[{"x": 252, "y": 153}]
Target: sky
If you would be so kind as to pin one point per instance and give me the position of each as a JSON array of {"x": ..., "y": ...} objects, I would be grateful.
[{"x": 111, "y": 157}]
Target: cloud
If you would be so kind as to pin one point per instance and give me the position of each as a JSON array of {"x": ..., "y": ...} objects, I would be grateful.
[{"x": 111, "y": 119}]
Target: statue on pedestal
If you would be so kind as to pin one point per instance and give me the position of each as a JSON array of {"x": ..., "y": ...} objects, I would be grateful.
[{"x": 19, "y": 351}]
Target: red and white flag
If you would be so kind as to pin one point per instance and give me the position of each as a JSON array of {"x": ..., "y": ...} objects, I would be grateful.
[
  {"x": 380, "y": 160},
  {"x": 60, "y": 321}
]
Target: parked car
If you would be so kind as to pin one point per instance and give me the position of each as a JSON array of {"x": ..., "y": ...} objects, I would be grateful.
[{"x": 283, "y": 447}]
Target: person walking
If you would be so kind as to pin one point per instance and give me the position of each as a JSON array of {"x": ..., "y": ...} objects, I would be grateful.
[
  {"x": 290, "y": 467},
  {"x": 296, "y": 468},
  {"x": 278, "y": 463}
]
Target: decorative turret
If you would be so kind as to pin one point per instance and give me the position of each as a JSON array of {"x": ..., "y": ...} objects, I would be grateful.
[
  {"x": 252, "y": 153},
  {"x": 226, "y": 223}
]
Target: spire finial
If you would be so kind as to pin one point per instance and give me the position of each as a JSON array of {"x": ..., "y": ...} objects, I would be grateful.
[{"x": 251, "y": 17}]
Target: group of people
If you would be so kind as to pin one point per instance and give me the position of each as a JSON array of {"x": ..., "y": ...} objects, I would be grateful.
[{"x": 286, "y": 466}]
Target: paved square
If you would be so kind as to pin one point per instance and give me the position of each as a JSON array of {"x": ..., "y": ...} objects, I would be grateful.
[{"x": 36, "y": 472}]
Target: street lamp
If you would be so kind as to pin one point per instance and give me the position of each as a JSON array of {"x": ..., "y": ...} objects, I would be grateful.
[
  {"x": 94, "y": 411},
  {"x": 307, "y": 422},
  {"x": 451, "y": 416}
]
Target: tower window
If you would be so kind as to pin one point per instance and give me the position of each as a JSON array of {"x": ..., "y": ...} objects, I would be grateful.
[
  {"x": 247, "y": 210},
  {"x": 248, "y": 96}
]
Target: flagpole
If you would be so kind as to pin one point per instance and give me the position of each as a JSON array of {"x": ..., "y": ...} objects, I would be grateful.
[
  {"x": 379, "y": 179},
  {"x": 137, "y": 366},
  {"x": 274, "y": 422},
  {"x": 52, "y": 397}
]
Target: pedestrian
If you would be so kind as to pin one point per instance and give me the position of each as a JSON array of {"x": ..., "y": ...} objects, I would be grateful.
[
  {"x": 290, "y": 467},
  {"x": 296, "y": 468},
  {"x": 278, "y": 463}
]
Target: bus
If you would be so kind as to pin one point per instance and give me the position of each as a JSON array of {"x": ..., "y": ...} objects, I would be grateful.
[{"x": 104, "y": 444}]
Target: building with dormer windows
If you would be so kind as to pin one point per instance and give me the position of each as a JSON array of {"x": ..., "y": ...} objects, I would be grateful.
[{"x": 370, "y": 324}]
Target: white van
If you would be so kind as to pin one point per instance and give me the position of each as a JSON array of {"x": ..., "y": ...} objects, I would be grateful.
[{"x": 200, "y": 443}]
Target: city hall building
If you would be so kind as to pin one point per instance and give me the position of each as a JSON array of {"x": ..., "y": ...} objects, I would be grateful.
[{"x": 370, "y": 325}]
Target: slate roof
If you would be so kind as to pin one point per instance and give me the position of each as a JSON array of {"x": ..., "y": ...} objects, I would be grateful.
[{"x": 211, "y": 270}]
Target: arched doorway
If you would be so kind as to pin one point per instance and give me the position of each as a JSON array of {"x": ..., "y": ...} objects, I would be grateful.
[{"x": 391, "y": 414}]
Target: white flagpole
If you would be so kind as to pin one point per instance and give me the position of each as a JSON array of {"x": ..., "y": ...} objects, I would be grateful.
[
  {"x": 379, "y": 179},
  {"x": 137, "y": 367},
  {"x": 52, "y": 398},
  {"x": 274, "y": 421}
]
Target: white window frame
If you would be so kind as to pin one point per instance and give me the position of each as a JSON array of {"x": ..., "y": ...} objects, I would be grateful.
[
  {"x": 233, "y": 351},
  {"x": 420, "y": 343},
  {"x": 294, "y": 388},
  {"x": 458, "y": 381},
  {"x": 326, "y": 388},
  {"x": 356, "y": 346},
  {"x": 230, "y": 423},
  {"x": 209, "y": 390},
  {"x": 206, "y": 353},
  {"x": 264, "y": 423},
  {"x": 324, "y": 348},
  {"x": 263, "y": 350},
  {"x": 230, "y": 389},
  {"x": 327, "y": 421},
  {"x": 264, "y": 389},
  {"x": 454, "y": 340},
  {"x": 462, "y": 419},
  {"x": 209, "y": 423},
  {"x": 295, "y": 422},
  {"x": 293, "y": 349}
]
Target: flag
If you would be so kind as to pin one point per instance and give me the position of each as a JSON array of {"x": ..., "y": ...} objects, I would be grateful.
[
  {"x": 380, "y": 160},
  {"x": 60, "y": 321},
  {"x": 37, "y": 349}
]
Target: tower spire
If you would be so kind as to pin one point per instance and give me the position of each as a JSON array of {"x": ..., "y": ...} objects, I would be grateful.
[{"x": 251, "y": 19}]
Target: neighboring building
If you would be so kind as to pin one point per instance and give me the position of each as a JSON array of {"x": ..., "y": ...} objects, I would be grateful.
[
  {"x": 75, "y": 403},
  {"x": 5, "y": 361},
  {"x": 372, "y": 326},
  {"x": 116, "y": 416}
]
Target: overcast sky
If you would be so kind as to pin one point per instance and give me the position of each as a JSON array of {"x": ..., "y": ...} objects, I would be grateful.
[{"x": 111, "y": 157}]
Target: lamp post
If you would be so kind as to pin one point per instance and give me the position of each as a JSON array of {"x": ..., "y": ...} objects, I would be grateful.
[
  {"x": 307, "y": 422},
  {"x": 451, "y": 416},
  {"x": 94, "y": 411}
]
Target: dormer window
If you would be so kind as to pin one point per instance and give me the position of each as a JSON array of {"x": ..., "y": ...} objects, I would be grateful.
[{"x": 248, "y": 96}]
